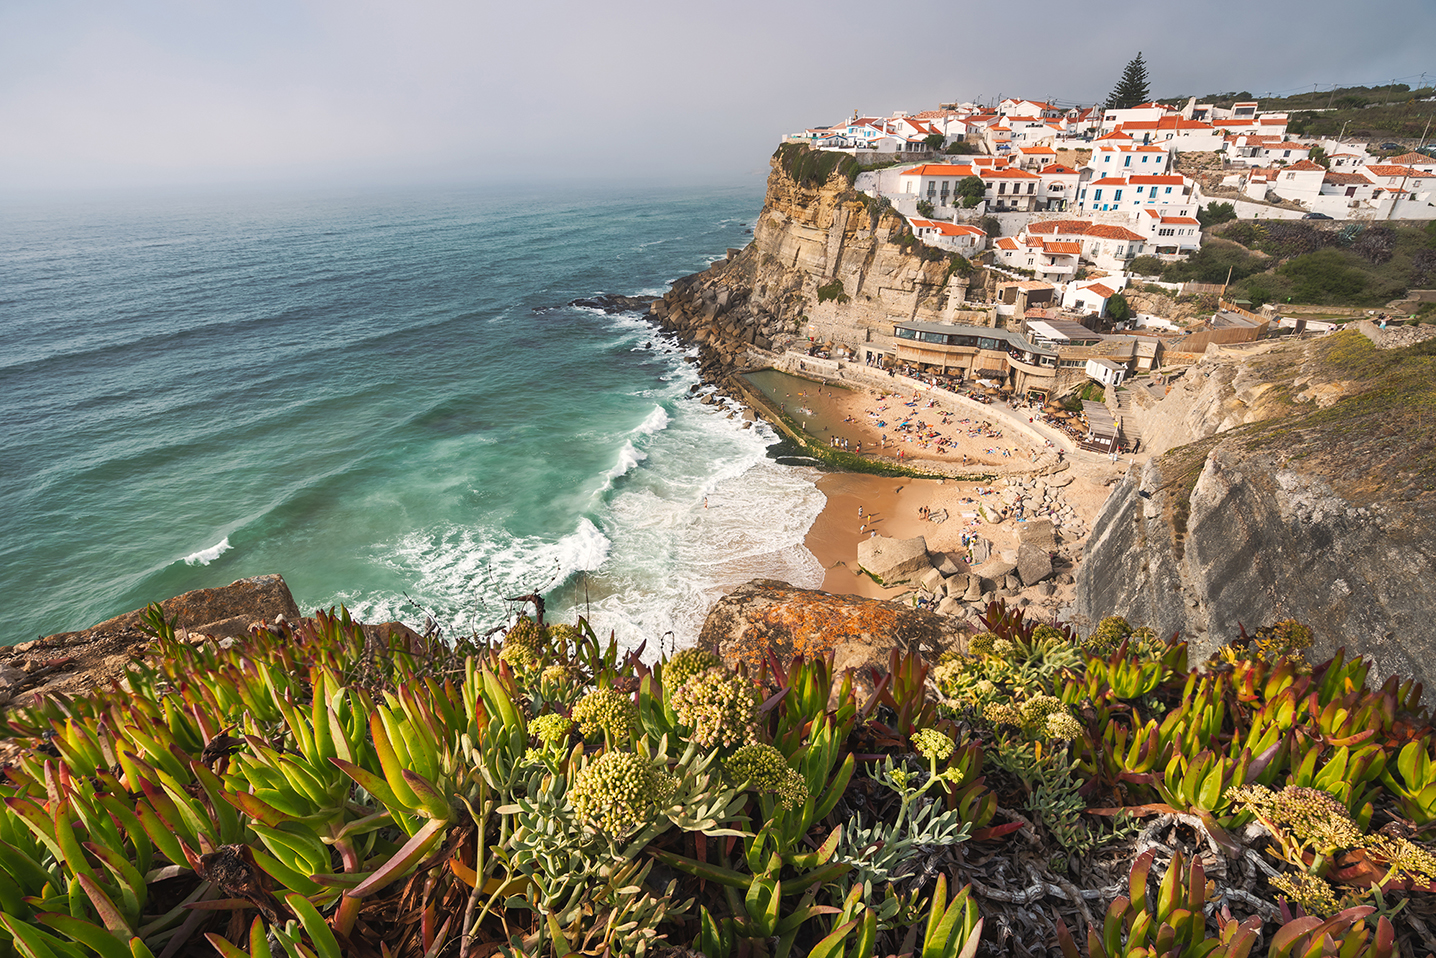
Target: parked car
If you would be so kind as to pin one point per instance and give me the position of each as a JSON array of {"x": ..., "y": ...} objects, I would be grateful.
[{"x": 1316, "y": 216}]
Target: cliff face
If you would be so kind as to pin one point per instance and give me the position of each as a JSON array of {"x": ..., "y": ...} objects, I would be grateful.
[
  {"x": 1309, "y": 492},
  {"x": 807, "y": 238}
]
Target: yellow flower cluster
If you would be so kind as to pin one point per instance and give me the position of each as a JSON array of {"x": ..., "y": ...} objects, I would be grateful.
[
  {"x": 686, "y": 664},
  {"x": 718, "y": 707},
  {"x": 1308, "y": 891},
  {"x": 932, "y": 744},
  {"x": 524, "y": 645},
  {"x": 1042, "y": 716},
  {"x": 764, "y": 768},
  {"x": 550, "y": 729},
  {"x": 620, "y": 791},
  {"x": 605, "y": 711}
]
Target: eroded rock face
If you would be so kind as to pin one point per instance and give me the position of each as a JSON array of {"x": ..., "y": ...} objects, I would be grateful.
[
  {"x": 1254, "y": 540},
  {"x": 767, "y": 614}
]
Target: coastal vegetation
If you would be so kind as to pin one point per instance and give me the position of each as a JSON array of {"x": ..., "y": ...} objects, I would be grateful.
[
  {"x": 1281, "y": 261},
  {"x": 313, "y": 790},
  {"x": 1361, "y": 112},
  {"x": 813, "y": 168}
]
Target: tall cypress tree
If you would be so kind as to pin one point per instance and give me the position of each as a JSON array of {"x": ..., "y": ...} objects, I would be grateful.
[{"x": 1132, "y": 88}]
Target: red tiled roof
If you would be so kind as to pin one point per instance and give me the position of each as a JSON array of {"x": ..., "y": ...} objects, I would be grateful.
[
  {"x": 1386, "y": 169},
  {"x": 1411, "y": 159},
  {"x": 1181, "y": 220},
  {"x": 1100, "y": 290},
  {"x": 1007, "y": 242},
  {"x": 938, "y": 169},
  {"x": 1057, "y": 168},
  {"x": 1059, "y": 226},
  {"x": 1061, "y": 247},
  {"x": 1347, "y": 179},
  {"x": 1106, "y": 231}
]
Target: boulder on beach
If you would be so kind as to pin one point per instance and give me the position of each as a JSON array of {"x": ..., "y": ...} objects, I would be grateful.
[
  {"x": 1034, "y": 564},
  {"x": 894, "y": 560},
  {"x": 948, "y": 564}
]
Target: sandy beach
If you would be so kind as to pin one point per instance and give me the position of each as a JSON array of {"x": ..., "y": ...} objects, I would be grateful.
[
  {"x": 904, "y": 426},
  {"x": 898, "y": 507}
]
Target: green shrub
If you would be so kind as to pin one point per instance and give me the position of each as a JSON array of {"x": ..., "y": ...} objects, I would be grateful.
[
  {"x": 833, "y": 290},
  {"x": 1146, "y": 266}
]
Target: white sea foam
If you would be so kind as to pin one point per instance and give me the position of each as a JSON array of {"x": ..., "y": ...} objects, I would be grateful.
[
  {"x": 670, "y": 558},
  {"x": 628, "y": 458},
  {"x": 206, "y": 556},
  {"x": 460, "y": 576},
  {"x": 656, "y": 421}
]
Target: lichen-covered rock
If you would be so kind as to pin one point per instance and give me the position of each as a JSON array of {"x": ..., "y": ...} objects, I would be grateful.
[{"x": 767, "y": 614}]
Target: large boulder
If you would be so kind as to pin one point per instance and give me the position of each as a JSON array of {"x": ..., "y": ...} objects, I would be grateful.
[
  {"x": 1033, "y": 564},
  {"x": 948, "y": 564},
  {"x": 894, "y": 560},
  {"x": 766, "y": 614},
  {"x": 981, "y": 550},
  {"x": 1039, "y": 533}
]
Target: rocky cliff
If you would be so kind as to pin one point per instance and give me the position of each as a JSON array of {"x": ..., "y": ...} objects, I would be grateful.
[
  {"x": 825, "y": 261},
  {"x": 1306, "y": 488}
]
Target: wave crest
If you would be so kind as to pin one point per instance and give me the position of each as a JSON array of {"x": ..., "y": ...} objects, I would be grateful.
[{"x": 206, "y": 556}]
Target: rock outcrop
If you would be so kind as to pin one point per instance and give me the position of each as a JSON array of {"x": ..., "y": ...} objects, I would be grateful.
[
  {"x": 767, "y": 614},
  {"x": 895, "y": 560},
  {"x": 70, "y": 662},
  {"x": 826, "y": 261},
  {"x": 1325, "y": 514}
]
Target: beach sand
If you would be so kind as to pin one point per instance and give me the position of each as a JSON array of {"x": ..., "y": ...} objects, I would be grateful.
[
  {"x": 891, "y": 506},
  {"x": 852, "y": 415}
]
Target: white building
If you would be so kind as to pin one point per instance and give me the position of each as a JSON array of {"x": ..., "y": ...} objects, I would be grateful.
[
  {"x": 1128, "y": 194},
  {"x": 1112, "y": 159},
  {"x": 957, "y": 237}
]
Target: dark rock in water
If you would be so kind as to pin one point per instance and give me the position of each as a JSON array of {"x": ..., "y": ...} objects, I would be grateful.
[
  {"x": 767, "y": 614},
  {"x": 613, "y": 303}
]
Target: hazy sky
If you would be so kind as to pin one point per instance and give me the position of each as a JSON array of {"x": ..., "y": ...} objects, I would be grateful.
[{"x": 103, "y": 93}]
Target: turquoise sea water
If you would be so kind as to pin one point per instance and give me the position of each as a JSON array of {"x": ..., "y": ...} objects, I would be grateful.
[{"x": 382, "y": 397}]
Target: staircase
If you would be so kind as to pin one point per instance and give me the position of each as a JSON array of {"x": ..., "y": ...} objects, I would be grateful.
[{"x": 1123, "y": 410}]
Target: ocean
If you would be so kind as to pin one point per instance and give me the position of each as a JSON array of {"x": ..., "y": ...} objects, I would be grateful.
[{"x": 382, "y": 396}]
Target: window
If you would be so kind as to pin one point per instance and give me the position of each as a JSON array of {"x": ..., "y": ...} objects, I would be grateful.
[
  {"x": 1031, "y": 187},
  {"x": 1139, "y": 190},
  {"x": 1169, "y": 189},
  {"x": 1001, "y": 188},
  {"x": 1128, "y": 161},
  {"x": 1095, "y": 196},
  {"x": 1117, "y": 196}
]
